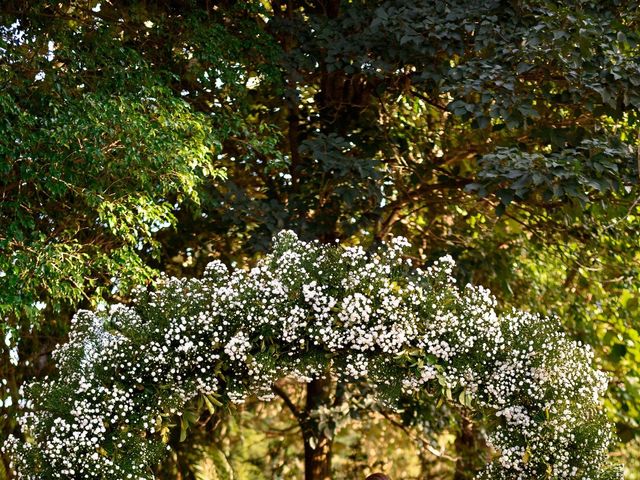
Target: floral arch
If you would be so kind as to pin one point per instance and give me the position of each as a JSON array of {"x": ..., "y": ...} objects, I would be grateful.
[{"x": 304, "y": 308}]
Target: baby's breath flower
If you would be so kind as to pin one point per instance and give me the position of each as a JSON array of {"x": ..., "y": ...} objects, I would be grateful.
[{"x": 125, "y": 372}]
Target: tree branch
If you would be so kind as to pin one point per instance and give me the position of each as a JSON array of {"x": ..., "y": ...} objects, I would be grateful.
[
  {"x": 429, "y": 101},
  {"x": 288, "y": 402},
  {"x": 419, "y": 438}
]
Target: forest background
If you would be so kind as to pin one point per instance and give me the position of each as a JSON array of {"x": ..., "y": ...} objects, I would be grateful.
[{"x": 139, "y": 137}]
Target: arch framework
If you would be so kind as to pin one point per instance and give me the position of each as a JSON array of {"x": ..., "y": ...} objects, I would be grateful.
[{"x": 307, "y": 309}]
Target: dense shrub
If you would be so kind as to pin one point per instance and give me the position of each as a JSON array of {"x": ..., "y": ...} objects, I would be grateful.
[{"x": 308, "y": 310}]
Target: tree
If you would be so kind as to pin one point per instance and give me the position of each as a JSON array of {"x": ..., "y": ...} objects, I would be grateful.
[
  {"x": 97, "y": 154},
  {"x": 397, "y": 111}
]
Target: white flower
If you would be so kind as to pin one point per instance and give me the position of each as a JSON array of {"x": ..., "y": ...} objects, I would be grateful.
[{"x": 233, "y": 334}]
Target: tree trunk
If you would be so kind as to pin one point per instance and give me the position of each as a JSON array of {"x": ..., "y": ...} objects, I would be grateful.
[
  {"x": 467, "y": 451},
  {"x": 317, "y": 445},
  {"x": 317, "y": 459}
]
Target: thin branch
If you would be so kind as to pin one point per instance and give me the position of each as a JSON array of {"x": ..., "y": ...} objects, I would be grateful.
[
  {"x": 433, "y": 451},
  {"x": 430, "y": 102},
  {"x": 288, "y": 402}
]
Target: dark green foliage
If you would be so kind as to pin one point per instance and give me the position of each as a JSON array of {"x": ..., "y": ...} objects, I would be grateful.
[{"x": 166, "y": 133}]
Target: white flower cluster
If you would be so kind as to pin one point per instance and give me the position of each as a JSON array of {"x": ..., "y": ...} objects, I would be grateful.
[
  {"x": 13, "y": 348},
  {"x": 303, "y": 311}
]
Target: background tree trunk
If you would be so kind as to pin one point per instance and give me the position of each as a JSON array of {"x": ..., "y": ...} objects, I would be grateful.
[
  {"x": 317, "y": 445},
  {"x": 317, "y": 459},
  {"x": 467, "y": 449}
]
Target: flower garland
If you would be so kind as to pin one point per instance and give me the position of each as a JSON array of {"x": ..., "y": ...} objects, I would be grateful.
[{"x": 304, "y": 309}]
